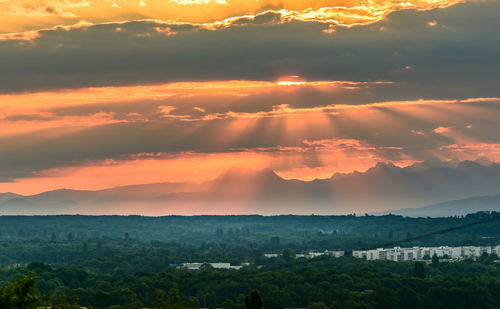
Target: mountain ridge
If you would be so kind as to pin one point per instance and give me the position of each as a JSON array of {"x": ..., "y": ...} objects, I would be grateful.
[{"x": 243, "y": 191}]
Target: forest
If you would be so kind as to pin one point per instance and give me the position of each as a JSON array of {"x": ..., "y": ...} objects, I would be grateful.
[{"x": 130, "y": 262}]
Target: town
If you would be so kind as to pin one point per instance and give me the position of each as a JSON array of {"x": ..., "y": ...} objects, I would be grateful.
[
  {"x": 444, "y": 253},
  {"x": 396, "y": 254}
]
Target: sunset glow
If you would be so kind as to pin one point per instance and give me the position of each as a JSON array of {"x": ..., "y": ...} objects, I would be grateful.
[
  {"x": 24, "y": 15},
  {"x": 57, "y": 114},
  {"x": 99, "y": 94}
]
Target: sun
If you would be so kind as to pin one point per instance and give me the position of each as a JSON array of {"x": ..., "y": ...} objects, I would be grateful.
[
  {"x": 290, "y": 83},
  {"x": 293, "y": 80}
]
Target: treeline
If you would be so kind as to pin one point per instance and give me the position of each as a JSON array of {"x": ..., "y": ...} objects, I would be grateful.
[
  {"x": 268, "y": 233},
  {"x": 319, "y": 283}
]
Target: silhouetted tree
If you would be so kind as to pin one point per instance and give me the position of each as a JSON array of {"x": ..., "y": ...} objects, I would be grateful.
[
  {"x": 253, "y": 300},
  {"x": 435, "y": 259}
]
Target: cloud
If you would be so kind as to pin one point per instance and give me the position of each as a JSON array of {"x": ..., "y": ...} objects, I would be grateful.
[
  {"x": 216, "y": 13},
  {"x": 270, "y": 119},
  {"x": 441, "y": 130},
  {"x": 308, "y": 160},
  {"x": 155, "y": 92},
  {"x": 43, "y": 10},
  {"x": 259, "y": 49},
  {"x": 432, "y": 23}
]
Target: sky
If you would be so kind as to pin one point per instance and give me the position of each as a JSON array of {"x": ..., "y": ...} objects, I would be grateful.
[{"x": 102, "y": 93}]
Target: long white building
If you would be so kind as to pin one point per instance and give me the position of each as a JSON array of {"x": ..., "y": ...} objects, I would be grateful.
[{"x": 420, "y": 253}]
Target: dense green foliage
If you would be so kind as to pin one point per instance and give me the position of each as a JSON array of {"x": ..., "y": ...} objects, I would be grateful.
[
  {"x": 78, "y": 234},
  {"x": 21, "y": 293},
  {"x": 326, "y": 281},
  {"x": 113, "y": 262}
]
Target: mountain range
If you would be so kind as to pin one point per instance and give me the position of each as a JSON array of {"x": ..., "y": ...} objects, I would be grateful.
[{"x": 383, "y": 188}]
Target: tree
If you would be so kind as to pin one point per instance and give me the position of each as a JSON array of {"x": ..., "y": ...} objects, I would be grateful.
[
  {"x": 435, "y": 259},
  {"x": 419, "y": 271},
  {"x": 317, "y": 306},
  {"x": 229, "y": 304},
  {"x": 258, "y": 257},
  {"x": 385, "y": 298},
  {"x": 253, "y": 300},
  {"x": 85, "y": 247},
  {"x": 173, "y": 300},
  {"x": 62, "y": 303},
  {"x": 288, "y": 256},
  {"x": 275, "y": 241},
  {"x": 211, "y": 300},
  {"x": 21, "y": 293},
  {"x": 246, "y": 231},
  {"x": 219, "y": 232},
  {"x": 408, "y": 298}
]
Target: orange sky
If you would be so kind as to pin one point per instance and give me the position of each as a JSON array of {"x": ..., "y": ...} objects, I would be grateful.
[
  {"x": 24, "y": 15},
  {"x": 309, "y": 159},
  {"x": 103, "y": 93}
]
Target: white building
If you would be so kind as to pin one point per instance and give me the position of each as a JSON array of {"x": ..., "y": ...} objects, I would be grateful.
[
  {"x": 220, "y": 265},
  {"x": 418, "y": 253}
]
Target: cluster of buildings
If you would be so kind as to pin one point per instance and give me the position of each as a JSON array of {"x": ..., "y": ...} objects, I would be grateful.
[
  {"x": 411, "y": 254},
  {"x": 396, "y": 254},
  {"x": 425, "y": 253},
  {"x": 197, "y": 266}
]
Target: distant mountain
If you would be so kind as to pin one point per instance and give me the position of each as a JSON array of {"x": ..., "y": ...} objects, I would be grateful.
[
  {"x": 388, "y": 187},
  {"x": 452, "y": 208},
  {"x": 240, "y": 191},
  {"x": 8, "y": 196}
]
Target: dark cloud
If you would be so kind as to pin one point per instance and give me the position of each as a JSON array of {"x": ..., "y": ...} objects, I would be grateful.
[{"x": 460, "y": 49}]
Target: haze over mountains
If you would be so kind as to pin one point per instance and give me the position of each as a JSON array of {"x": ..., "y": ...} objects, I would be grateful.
[
  {"x": 383, "y": 187},
  {"x": 459, "y": 207}
]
